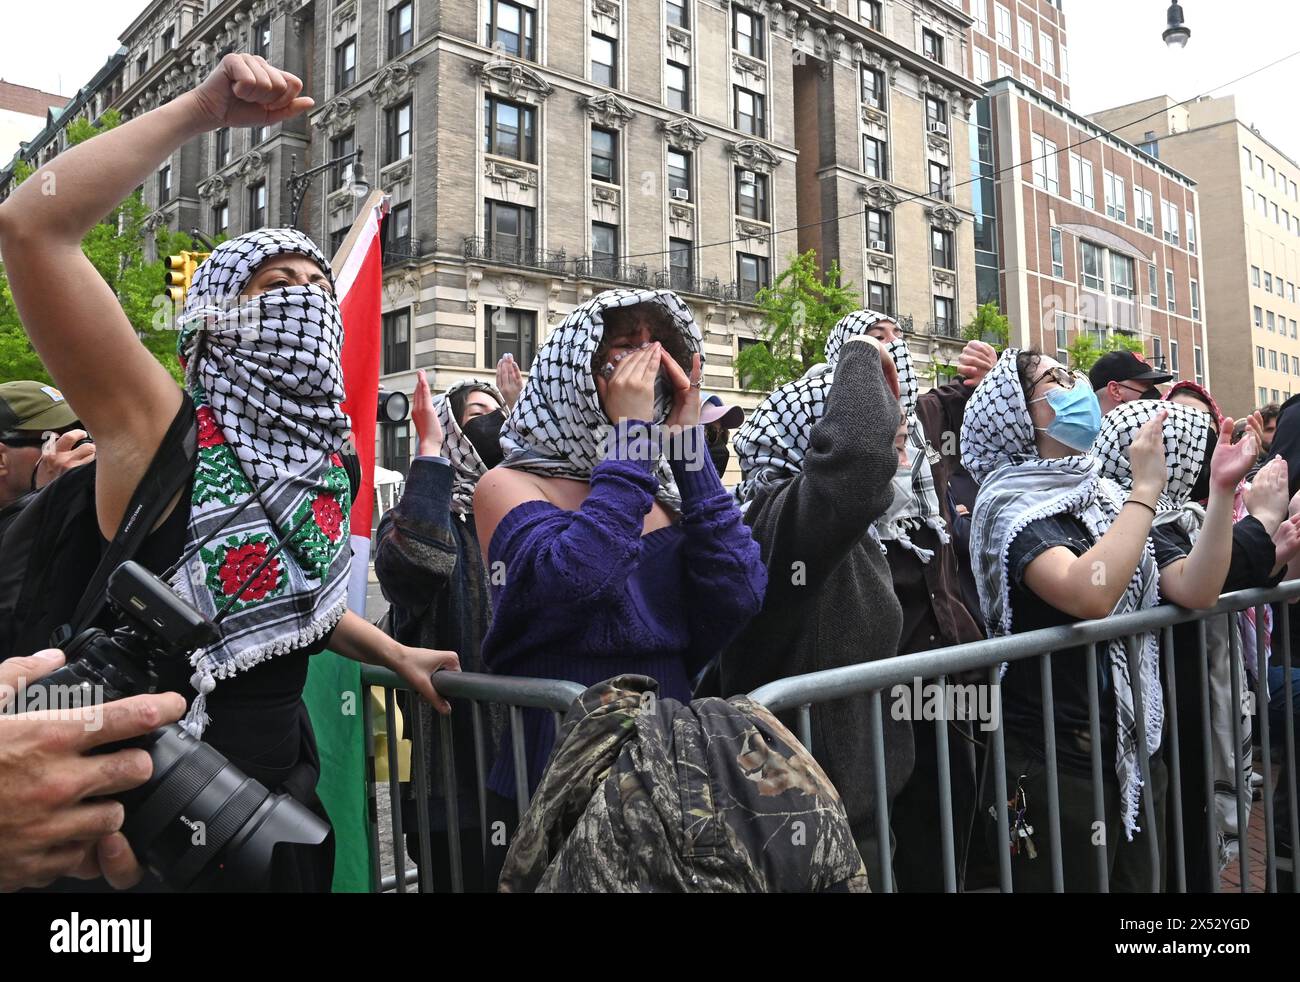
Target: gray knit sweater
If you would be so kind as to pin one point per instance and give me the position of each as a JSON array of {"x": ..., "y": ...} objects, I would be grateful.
[{"x": 830, "y": 600}]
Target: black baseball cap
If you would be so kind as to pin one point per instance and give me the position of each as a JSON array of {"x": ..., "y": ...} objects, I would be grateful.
[{"x": 1123, "y": 366}]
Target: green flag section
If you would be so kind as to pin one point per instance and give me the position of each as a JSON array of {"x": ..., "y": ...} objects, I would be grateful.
[{"x": 333, "y": 697}]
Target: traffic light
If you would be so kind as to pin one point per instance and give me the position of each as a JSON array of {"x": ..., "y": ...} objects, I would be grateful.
[{"x": 180, "y": 273}]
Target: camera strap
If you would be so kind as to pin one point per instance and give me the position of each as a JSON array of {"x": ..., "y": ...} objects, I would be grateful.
[{"x": 169, "y": 472}]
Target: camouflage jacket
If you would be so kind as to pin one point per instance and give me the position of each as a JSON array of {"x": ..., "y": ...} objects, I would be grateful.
[{"x": 649, "y": 795}]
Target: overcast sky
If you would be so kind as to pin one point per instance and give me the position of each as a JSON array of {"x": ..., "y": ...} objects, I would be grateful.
[{"x": 1116, "y": 53}]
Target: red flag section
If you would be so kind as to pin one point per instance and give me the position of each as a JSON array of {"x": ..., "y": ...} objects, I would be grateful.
[{"x": 361, "y": 343}]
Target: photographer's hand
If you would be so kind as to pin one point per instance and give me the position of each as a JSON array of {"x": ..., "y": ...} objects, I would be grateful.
[
  {"x": 60, "y": 455},
  {"x": 53, "y": 812}
]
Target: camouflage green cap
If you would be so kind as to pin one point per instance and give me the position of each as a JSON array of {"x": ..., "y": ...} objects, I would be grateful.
[{"x": 33, "y": 406}]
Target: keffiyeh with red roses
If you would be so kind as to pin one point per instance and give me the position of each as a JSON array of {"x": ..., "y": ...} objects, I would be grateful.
[{"x": 266, "y": 379}]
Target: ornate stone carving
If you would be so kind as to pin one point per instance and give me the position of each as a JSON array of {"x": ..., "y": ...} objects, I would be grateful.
[
  {"x": 253, "y": 165},
  {"x": 937, "y": 141},
  {"x": 605, "y": 8},
  {"x": 881, "y": 263},
  {"x": 943, "y": 217},
  {"x": 750, "y": 230},
  {"x": 679, "y": 38},
  {"x": 395, "y": 173},
  {"x": 502, "y": 173},
  {"x": 402, "y": 284},
  {"x": 345, "y": 11},
  {"x": 749, "y": 66},
  {"x": 604, "y": 196},
  {"x": 214, "y": 188},
  {"x": 943, "y": 277},
  {"x": 754, "y": 155},
  {"x": 870, "y": 114},
  {"x": 337, "y": 116},
  {"x": 394, "y": 82},
  {"x": 512, "y": 288},
  {"x": 607, "y": 110},
  {"x": 473, "y": 277},
  {"x": 154, "y": 222},
  {"x": 514, "y": 81},
  {"x": 683, "y": 134},
  {"x": 681, "y": 213},
  {"x": 880, "y": 196}
]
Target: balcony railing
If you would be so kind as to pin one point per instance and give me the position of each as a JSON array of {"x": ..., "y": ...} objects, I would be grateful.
[
  {"x": 403, "y": 250},
  {"x": 945, "y": 329},
  {"x": 512, "y": 251},
  {"x": 608, "y": 268}
]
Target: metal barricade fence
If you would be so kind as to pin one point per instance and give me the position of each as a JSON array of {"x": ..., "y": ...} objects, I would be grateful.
[
  {"x": 480, "y": 690},
  {"x": 800, "y": 694}
]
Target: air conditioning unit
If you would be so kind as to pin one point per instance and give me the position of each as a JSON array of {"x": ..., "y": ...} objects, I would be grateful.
[
  {"x": 681, "y": 194},
  {"x": 748, "y": 177},
  {"x": 940, "y": 128},
  {"x": 879, "y": 245}
]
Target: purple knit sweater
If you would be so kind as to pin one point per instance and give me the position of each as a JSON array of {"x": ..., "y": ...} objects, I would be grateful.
[{"x": 587, "y": 597}]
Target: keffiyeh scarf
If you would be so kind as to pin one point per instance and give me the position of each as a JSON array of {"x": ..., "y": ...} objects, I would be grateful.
[
  {"x": 466, "y": 465},
  {"x": 1017, "y": 487},
  {"x": 267, "y": 385},
  {"x": 558, "y": 428}
]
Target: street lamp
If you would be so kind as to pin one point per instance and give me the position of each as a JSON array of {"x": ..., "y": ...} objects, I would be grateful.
[
  {"x": 1177, "y": 33},
  {"x": 354, "y": 180}
]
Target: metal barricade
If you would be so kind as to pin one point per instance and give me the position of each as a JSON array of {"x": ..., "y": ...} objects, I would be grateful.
[
  {"x": 800, "y": 694},
  {"x": 480, "y": 690}
]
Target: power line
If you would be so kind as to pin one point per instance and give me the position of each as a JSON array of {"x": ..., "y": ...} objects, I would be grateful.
[{"x": 914, "y": 196}]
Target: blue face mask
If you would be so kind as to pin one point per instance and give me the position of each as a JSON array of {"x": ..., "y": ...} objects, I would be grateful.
[{"x": 1078, "y": 416}]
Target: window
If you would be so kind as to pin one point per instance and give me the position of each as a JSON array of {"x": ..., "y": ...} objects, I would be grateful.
[
  {"x": 1259, "y": 317},
  {"x": 222, "y": 140},
  {"x": 980, "y": 11},
  {"x": 401, "y": 29},
  {"x": 936, "y": 115},
  {"x": 1062, "y": 338},
  {"x": 680, "y": 264},
  {"x": 941, "y": 249},
  {"x": 1272, "y": 176},
  {"x": 604, "y": 155},
  {"x": 1285, "y": 364},
  {"x": 679, "y": 175},
  {"x": 1153, "y": 288},
  {"x": 1081, "y": 185},
  {"x": 873, "y": 87},
  {"x": 1191, "y": 232},
  {"x": 751, "y": 273},
  {"x": 1171, "y": 296},
  {"x": 256, "y": 135},
  {"x": 604, "y": 248},
  {"x": 1198, "y": 362},
  {"x": 1169, "y": 214},
  {"x": 983, "y": 66},
  {"x": 1293, "y": 333},
  {"x": 1058, "y": 254},
  {"x": 1144, "y": 210},
  {"x": 878, "y": 230},
  {"x": 676, "y": 14},
  {"x": 944, "y": 322},
  {"x": 257, "y": 205},
  {"x": 1268, "y": 282},
  {"x": 1272, "y": 360},
  {"x": 1093, "y": 273},
  {"x": 262, "y": 38},
  {"x": 1116, "y": 196},
  {"x": 1263, "y": 393},
  {"x": 1259, "y": 357},
  {"x": 940, "y": 184},
  {"x": 397, "y": 341},
  {"x": 508, "y": 329},
  {"x": 1173, "y": 356},
  {"x": 869, "y": 12},
  {"x": 510, "y": 232},
  {"x": 749, "y": 112},
  {"x": 341, "y": 146},
  {"x": 345, "y": 65},
  {"x": 1259, "y": 165},
  {"x": 1254, "y": 276},
  {"x": 221, "y": 218},
  {"x": 1026, "y": 40},
  {"x": 164, "y": 184},
  {"x": 604, "y": 64},
  {"x": 142, "y": 64},
  {"x": 747, "y": 32},
  {"x": 511, "y": 28},
  {"x": 169, "y": 39},
  {"x": 1002, "y": 19},
  {"x": 676, "y": 78},
  {"x": 1046, "y": 171},
  {"x": 397, "y": 132},
  {"x": 1005, "y": 70},
  {"x": 395, "y": 446},
  {"x": 932, "y": 45},
  {"x": 1121, "y": 276},
  {"x": 873, "y": 158},
  {"x": 1290, "y": 292},
  {"x": 396, "y": 231},
  {"x": 1246, "y": 157},
  {"x": 880, "y": 297},
  {"x": 751, "y": 195},
  {"x": 1157, "y": 350},
  {"x": 1047, "y": 50},
  {"x": 509, "y": 130},
  {"x": 1196, "y": 300}
]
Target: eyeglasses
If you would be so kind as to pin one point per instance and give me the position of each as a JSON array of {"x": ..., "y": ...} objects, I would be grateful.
[{"x": 1063, "y": 377}]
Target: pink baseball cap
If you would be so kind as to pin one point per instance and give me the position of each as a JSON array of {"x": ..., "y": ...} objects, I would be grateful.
[{"x": 714, "y": 410}]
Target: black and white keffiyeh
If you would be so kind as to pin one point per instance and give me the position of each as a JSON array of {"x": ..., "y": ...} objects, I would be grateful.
[
  {"x": 1186, "y": 437},
  {"x": 558, "y": 428},
  {"x": 267, "y": 382},
  {"x": 1017, "y": 487},
  {"x": 466, "y": 465}
]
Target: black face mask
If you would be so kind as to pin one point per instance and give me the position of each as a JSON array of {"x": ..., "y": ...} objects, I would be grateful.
[
  {"x": 484, "y": 434},
  {"x": 1201, "y": 489},
  {"x": 720, "y": 455},
  {"x": 1151, "y": 393}
]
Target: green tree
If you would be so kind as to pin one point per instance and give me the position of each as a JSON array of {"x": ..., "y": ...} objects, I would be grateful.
[
  {"x": 800, "y": 308},
  {"x": 1084, "y": 349},
  {"x": 116, "y": 248},
  {"x": 989, "y": 324}
]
